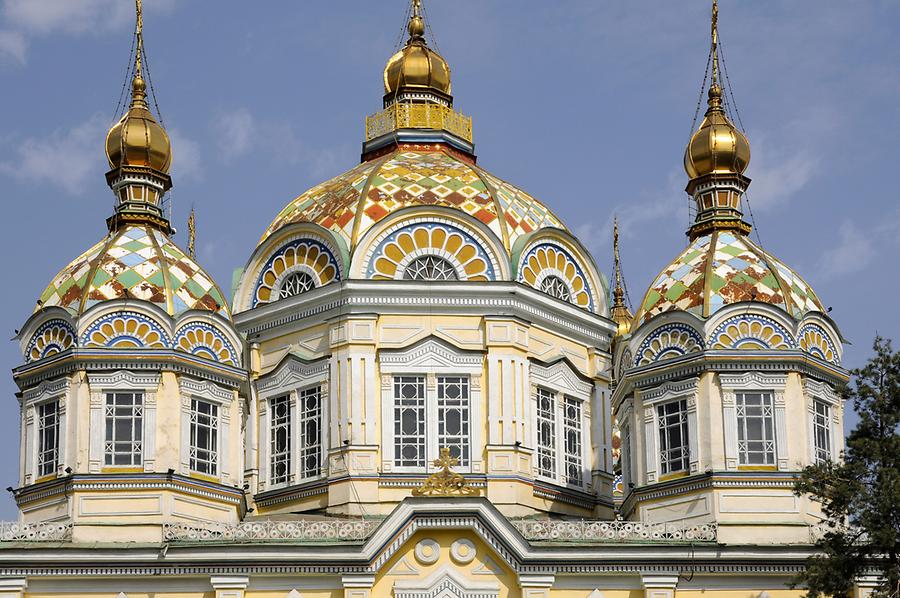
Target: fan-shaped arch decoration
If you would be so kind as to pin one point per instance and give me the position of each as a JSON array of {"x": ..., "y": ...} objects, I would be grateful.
[
  {"x": 425, "y": 251},
  {"x": 125, "y": 330},
  {"x": 551, "y": 269},
  {"x": 750, "y": 332},
  {"x": 668, "y": 341},
  {"x": 816, "y": 341},
  {"x": 624, "y": 363},
  {"x": 51, "y": 337},
  {"x": 298, "y": 266},
  {"x": 207, "y": 341}
]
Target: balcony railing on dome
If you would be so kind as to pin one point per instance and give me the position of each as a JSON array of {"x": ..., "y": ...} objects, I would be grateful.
[
  {"x": 418, "y": 116},
  {"x": 41, "y": 531}
]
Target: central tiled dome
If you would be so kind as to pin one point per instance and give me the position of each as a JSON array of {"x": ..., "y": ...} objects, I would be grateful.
[{"x": 351, "y": 203}]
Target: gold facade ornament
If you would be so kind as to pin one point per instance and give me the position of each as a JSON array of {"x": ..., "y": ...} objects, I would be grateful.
[{"x": 445, "y": 482}]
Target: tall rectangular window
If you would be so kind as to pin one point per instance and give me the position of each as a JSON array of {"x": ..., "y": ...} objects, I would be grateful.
[
  {"x": 627, "y": 480},
  {"x": 673, "y": 437},
  {"x": 756, "y": 428},
  {"x": 48, "y": 438},
  {"x": 204, "y": 448},
  {"x": 310, "y": 432},
  {"x": 409, "y": 421},
  {"x": 572, "y": 435},
  {"x": 453, "y": 416},
  {"x": 822, "y": 431},
  {"x": 280, "y": 440},
  {"x": 124, "y": 428},
  {"x": 546, "y": 433}
]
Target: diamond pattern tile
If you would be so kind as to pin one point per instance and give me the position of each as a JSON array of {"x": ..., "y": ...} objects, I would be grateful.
[
  {"x": 721, "y": 269},
  {"x": 406, "y": 178},
  {"x": 135, "y": 262}
]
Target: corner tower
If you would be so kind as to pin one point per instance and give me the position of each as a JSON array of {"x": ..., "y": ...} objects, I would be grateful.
[
  {"x": 727, "y": 377},
  {"x": 132, "y": 385}
]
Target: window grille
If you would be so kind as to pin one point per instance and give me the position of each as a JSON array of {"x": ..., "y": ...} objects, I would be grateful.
[
  {"x": 572, "y": 433},
  {"x": 48, "y": 438},
  {"x": 310, "y": 432},
  {"x": 756, "y": 428},
  {"x": 124, "y": 428},
  {"x": 296, "y": 283},
  {"x": 453, "y": 416},
  {"x": 430, "y": 267},
  {"x": 822, "y": 431},
  {"x": 546, "y": 433},
  {"x": 409, "y": 421},
  {"x": 556, "y": 287},
  {"x": 673, "y": 437},
  {"x": 204, "y": 447},
  {"x": 280, "y": 440}
]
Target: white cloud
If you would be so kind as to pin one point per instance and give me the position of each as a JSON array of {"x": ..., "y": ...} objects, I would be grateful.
[
  {"x": 27, "y": 18},
  {"x": 12, "y": 47},
  {"x": 236, "y": 131},
  {"x": 65, "y": 158},
  {"x": 854, "y": 251},
  {"x": 186, "y": 162}
]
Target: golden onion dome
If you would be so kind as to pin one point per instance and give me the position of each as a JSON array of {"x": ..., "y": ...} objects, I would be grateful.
[
  {"x": 137, "y": 139},
  {"x": 717, "y": 147},
  {"x": 416, "y": 66}
]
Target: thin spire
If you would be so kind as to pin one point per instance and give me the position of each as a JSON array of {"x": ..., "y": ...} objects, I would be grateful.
[
  {"x": 618, "y": 292},
  {"x": 138, "y": 86},
  {"x": 192, "y": 233},
  {"x": 715, "y": 43},
  {"x": 620, "y": 313}
]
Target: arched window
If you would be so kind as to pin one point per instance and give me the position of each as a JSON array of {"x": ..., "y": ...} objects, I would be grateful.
[
  {"x": 430, "y": 267},
  {"x": 296, "y": 283},
  {"x": 556, "y": 287}
]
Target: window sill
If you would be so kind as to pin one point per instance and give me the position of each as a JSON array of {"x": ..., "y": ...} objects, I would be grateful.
[
  {"x": 122, "y": 469},
  {"x": 673, "y": 476},
  {"x": 757, "y": 468},
  {"x": 205, "y": 477},
  {"x": 46, "y": 478}
]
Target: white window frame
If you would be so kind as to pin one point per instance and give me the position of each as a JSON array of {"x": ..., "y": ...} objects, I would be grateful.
[
  {"x": 221, "y": 397},
  {"x": 290, "y": 378},
  {"x": 731, "y": 385},
  {"x": 41, "y": 435},
  {"x": 664, "y": 429},
  {"x": 111, "y": 413},
  {"x": 816, "y": 391},
  {"x": 651, "y": 399},
  {"x": 565, "y": 385},
  {"x": 431, "y": 359},
  {"x": 319, "y": 389},
  {"x": 122, "y": 381},
  {"x": 45, "y": 392}
]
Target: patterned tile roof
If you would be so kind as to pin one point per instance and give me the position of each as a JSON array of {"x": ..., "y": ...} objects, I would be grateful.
[
  {"x": 137, "y": 262},
  {"x": 723, "y": 268},
  {"x": 353, "y": 202}
]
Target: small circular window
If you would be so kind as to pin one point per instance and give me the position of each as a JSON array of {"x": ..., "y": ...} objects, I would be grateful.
[
  {"x": 296, "y": 283},
  {"x": 556, "y": 287},
  {"x": 430, "y": 267}
]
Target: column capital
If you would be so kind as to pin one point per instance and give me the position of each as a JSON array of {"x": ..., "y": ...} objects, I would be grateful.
[
  {"x": 229, "y": 582},
  {"x": 660, "y": 581},
  {"x": 358, "y": 580}
]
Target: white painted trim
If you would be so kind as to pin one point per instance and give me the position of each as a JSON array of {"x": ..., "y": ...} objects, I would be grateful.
[{"x": 754, "y": 381}]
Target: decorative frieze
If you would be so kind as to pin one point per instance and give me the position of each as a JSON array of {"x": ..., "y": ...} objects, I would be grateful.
[{"x": 613, "y": 531}]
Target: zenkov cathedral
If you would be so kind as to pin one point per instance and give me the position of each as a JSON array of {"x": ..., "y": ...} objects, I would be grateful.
[{"x": 421, "y": 387}]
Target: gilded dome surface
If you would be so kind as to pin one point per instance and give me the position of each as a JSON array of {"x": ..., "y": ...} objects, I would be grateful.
[
  {"x": 724, "y": 268},
  {"x": 137, "y": 139},
  {"x": 135, "y": 262},
  {"x": 416, "y": 66},
  {"x": 351, "y": 203},
  {"x": 717, "y": 146}
]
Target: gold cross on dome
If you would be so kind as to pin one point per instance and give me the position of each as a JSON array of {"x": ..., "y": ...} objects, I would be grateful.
[{"x": 445, "y": 461}]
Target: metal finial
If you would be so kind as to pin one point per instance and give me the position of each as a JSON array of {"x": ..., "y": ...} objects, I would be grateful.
[
  {"x": 192, "y": 232},
  {"x": 416, "y": 26},
  {"x": 715, "y": 43},
  {"x": 618, "y": 292},
  {"x": 138, "y": 87}
]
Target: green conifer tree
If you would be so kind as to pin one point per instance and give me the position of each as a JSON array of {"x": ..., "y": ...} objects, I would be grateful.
[{"x": 860, "y": 496}]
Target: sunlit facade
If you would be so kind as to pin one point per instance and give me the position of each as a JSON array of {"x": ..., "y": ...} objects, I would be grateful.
[{"x": 422, "y": 386}]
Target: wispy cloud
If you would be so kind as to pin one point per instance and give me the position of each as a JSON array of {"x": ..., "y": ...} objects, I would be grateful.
[
  {"x": 65, "y": 158},
  {"x": 24, "y": 19},
  {"x": 238, "y": 133},
  {"x": 853, "y": 252},
  {"x": 186, "y": 161}
]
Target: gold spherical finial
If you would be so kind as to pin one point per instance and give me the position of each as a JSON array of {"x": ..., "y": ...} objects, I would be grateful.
[
  {"x": 416, "y": 66},
  {"x": 717, "y": 147}
]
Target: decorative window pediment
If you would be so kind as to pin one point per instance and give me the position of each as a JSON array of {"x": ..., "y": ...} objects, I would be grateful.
[
  {"x": 560, "y": 376},
  {"x": 445, "y": 583},
  {"x": 293, "y": 372},
  {"x": 434, "y": 356},
  {"x": 123, "y": 380},
  {"x": 670, "y": 391}
]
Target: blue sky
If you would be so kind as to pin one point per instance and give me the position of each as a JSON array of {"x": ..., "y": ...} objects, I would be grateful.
[{"x": 586, "y": 104}]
